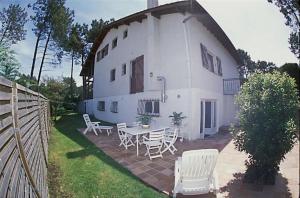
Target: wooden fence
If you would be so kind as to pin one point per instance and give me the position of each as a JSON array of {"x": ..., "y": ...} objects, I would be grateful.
[{"x": 24, "y": 129}]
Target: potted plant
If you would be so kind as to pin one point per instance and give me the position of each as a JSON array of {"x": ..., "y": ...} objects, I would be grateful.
[
  {"x": 177, "y": 118},
  {"x": 145, "y": 120}
]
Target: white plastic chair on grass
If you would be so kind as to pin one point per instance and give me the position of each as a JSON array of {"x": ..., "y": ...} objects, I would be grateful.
[
  {"x": 194, "y": 172},
  {"x": 154, "y": 142},
  {"x": 95, "y": 125},
  {"x": 124, "y": 138},
  {"x": 169, "y": 140}
]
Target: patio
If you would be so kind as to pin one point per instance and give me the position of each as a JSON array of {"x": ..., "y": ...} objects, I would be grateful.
[{"x": 158, "y": 173}]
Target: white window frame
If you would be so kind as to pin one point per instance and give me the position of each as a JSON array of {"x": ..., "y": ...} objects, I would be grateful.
[
  {"x": 114, "y": 107},
  {"x": 142, "y": 107}
]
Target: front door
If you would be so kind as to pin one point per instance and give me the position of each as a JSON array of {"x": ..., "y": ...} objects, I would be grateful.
[{"x": 208, "y": 117}]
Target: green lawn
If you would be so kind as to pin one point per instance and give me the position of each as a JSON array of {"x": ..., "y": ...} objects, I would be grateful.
[{"x": 78, "y": 169}]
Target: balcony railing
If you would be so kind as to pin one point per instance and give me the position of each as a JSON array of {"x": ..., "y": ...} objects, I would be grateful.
[{"x": 231, "y": 86}]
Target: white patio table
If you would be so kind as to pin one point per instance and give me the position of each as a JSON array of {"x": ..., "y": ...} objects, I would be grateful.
[{"x": 136, "y": 131}]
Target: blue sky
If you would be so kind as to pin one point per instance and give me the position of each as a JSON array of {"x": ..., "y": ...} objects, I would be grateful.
[{"x": 253, "y": 25}]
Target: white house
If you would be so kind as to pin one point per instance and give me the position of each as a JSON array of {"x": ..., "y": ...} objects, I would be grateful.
[{"x": 172, "y": 57}]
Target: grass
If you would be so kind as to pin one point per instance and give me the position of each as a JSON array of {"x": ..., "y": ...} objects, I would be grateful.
[{"x": 77, "y": 168}]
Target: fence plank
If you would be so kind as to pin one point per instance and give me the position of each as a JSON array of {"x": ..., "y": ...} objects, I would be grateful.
[{"x": 24, "y": 133}]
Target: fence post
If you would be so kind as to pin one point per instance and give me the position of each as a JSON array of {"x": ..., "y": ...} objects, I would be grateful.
[
  {"x": 41, "y": 131},
  {"x": 14, "y": 104}
]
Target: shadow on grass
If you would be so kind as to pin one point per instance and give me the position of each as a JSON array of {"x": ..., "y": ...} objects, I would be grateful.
[
  {"x": 68, "y": 125},
  {"x": 236, "y": 188}
]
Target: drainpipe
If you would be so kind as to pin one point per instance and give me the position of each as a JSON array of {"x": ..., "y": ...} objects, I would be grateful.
[
  {"x": 189, "y": 67},
  {"x": 163, "y": 91}
]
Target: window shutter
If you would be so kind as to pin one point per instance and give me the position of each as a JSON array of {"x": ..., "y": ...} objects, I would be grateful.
[
  {"x": 204, "y": 55},
  {"x": 219, "y": 65}
]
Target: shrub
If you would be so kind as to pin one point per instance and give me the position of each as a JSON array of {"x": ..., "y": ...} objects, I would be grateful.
[{"x": 268, "y": 107}]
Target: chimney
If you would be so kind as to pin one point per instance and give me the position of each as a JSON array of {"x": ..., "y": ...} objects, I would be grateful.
[{"x": 152, "y": 3}]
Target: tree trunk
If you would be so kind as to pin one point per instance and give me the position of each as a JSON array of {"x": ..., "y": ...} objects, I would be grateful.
[
  {"x": 3, "y": 35},
  {"x": 71, "y": 83},
  {"x": 34, "y": 54},
  {"x": 43, "y": 58}
]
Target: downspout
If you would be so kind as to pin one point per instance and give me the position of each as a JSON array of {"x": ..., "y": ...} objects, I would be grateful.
[
  {"x": 163, "y": 91},
  {"x": 189, "y": 67}
]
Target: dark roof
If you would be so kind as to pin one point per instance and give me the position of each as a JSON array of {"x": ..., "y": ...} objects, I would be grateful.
[{"x": 191, "y": 6}]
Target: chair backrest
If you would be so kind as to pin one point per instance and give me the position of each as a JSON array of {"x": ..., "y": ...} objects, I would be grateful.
[
  {"x": 87, "y": 119},
  {"x": 198, "y": 164},
  {"x": 174, "y": 135},
  {"x": 121, "y": 126},
  {"x": 157, "y": 135}
]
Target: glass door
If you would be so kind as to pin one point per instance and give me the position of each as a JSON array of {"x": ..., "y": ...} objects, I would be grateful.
[{"x": 208, "y": 117}]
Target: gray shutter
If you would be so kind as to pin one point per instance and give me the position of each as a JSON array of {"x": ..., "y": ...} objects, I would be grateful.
[
  {"x": 219, "y": 65},
  {"x": 204, "y": 55}
]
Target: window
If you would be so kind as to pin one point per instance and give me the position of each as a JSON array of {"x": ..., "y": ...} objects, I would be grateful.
[
  {"x": 104, "y": 51},
  {"x": 114, "y": 43},
  {"x": 98, "y": 56},
  {"x": 209, "y": 61},
  {"x": 114, "y": 107},
  {"x": 148, "y": 107},
  {"x": 125, "y": 34},
  {"x": 123, "y": 69},
  {"x": 101, "y": 106},
  {"x": 219, "y": 66},
  {"x": 112, "y": 75}
]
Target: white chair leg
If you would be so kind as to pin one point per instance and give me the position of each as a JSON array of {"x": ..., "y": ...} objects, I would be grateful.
[{"x": 95, "y": 131}]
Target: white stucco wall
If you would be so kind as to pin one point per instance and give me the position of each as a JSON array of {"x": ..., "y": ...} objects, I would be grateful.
[{"x": 171, "y": 49}]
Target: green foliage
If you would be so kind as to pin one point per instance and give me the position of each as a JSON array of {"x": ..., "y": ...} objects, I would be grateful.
[
  {"x": 144, "y": 119},
  {"x": 96, "y": 28},
  {"x": 293, "y": 70},
  {"x": 12, "y": 21},
  {"x": 291, "y": 11},
  {"x": 9, "y": 66},
  {"x": 268, "y": 107},
  {"x": 28, "y": 82},
  {"x": 249, "y": 66},
  {"x": 177, "y": 118}
]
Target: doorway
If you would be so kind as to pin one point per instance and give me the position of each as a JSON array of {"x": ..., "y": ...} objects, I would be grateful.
[{"x": 208, "y": 117}]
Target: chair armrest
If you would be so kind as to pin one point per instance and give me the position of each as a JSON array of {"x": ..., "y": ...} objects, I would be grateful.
[
  {"x": 145, "y": 139},
  {"x": 177, "y": 171},
  {"x": 96, "y": 122},
  {"x": 215, "y": 181}
]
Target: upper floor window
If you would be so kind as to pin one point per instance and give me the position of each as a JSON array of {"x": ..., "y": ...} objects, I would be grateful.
[
  {"x": 104, "y": 51},
  {"x": 125, "y": 34},
  {"x": 114, "y": 43},
  {"x": 101, "y": 106},
  {"x": 112, "y": 75},
  {"x": 210, "y": 61},
  {"x": 123, "y": 69},
  {"x": 114, "y": 107},
  {"x": 148, "y": 107},
  {"x": 98, "y": 56}
]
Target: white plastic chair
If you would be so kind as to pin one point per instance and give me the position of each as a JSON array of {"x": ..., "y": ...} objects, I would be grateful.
[
  {"x": 95, "y": 125},
  {"x": 169, "y": 140},
  {"x": 124, "y": 138},
  {"x": 154, "y": 142},
  {"x": 194, "y": 172}
]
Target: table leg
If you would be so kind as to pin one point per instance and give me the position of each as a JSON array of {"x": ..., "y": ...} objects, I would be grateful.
[{"x": 137, "y": 145}]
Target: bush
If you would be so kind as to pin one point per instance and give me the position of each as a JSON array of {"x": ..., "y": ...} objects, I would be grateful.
[{"x": 268, "y": 107}]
